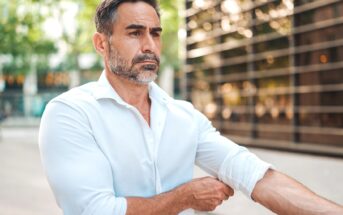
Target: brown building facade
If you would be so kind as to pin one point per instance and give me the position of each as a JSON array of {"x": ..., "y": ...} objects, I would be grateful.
[{"x": 268, "y": 72}]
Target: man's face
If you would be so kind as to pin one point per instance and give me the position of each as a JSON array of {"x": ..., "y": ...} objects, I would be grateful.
[{"x": 135, "y": 44}]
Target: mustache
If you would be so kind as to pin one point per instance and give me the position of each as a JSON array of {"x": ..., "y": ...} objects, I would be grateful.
[{"x": 145, "y": 57}]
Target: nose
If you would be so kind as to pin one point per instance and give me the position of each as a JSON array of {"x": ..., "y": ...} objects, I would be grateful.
[{"x": 149, "y": 44}]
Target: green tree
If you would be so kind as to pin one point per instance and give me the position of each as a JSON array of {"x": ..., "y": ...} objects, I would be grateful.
[
  {"x": 22, "y": 37},
  {"x": 170, "y": 22},
  {"x": 81, "y": 42}
]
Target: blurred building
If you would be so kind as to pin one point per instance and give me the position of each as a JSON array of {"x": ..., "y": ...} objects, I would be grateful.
[
  {"x": 27, "y": 95},
  {"x": 268, "y": 72}
]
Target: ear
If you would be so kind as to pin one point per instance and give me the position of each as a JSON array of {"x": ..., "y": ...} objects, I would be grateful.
[{"x": 100, "y": 43}]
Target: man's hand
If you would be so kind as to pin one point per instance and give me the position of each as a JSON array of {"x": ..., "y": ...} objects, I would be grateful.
[{"x": 205, "y": 194}]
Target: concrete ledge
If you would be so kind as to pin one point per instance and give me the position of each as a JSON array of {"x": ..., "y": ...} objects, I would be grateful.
[
  {"x": 309, "y": 148},
  {"x": 20, "y": 122}
]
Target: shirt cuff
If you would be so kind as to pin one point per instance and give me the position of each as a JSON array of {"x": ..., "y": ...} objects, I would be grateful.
[
  {"x": 123, "y": 205},
  {"x": 241, "y": 170}
]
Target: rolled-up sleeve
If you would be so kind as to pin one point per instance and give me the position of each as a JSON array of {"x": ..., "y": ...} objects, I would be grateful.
[
  {"x": 77, "y": 170},
  {"x": 224, "y": 159}
]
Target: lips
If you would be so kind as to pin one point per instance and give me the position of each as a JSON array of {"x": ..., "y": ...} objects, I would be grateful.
[
  {"x": 149, "y": 67},
  {"x": 148, "y": 62},
  {"x": 146, "y": 59}
]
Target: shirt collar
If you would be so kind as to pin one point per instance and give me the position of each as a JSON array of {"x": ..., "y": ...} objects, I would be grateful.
[{"x": 104, "y": 90}]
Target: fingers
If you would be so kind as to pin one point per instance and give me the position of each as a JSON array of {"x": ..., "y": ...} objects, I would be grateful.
[
  {"x": 221, "y": 187},
  {"x": 209, "y": 205},
  {"x": 207, "y": 193},
  {"x": 228, "y": 191}
]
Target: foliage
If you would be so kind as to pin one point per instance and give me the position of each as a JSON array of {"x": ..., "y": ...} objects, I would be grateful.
[
  {"x": 22, "y": 35},
  {"x": 170, "y": 24}
]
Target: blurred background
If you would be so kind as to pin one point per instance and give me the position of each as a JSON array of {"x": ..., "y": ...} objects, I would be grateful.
[{"x": 268, "y": 73}]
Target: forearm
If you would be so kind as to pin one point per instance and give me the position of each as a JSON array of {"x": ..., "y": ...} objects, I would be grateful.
[
  {"x": 284, "y": 195},
  {"x": 168, "y": 203},
  {"x": 203, "y": 194}
]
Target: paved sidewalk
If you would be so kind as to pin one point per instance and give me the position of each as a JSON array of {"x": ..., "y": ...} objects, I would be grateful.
[
  {"x": 25, "y": 191},
  {"x": 23, "y": 186}
]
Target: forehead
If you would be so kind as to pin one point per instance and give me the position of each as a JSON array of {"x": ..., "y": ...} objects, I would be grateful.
[{"x": 137, "y": 13}]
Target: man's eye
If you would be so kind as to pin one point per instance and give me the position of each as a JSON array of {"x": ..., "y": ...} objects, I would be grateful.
[
  {"x": 156, "y": 34},
  {"x": 135, "y": 33}
]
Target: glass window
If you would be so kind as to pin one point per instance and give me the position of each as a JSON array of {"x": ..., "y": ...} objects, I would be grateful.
[
  {"x": 234, "y": 69},
  {"x": 272, "y": 63},
  {"x": 195, "y": 61},
  {"x": 233, "y": 115},
  {"x": 321, "y": 35},
  {"x": 234, "y": 52},
  {"x": 302, "y": 2},
  {"x": 233, "y": 38},
  {"x": 251, "y": 92},
  {"x": 334, "y": 98},
  {"x": 206, "y": 43},
  {"x": 202, "y": 92},
  {"x": 274, "y": 135},
  {"x": 318, "y": 138},
  {"x": 281, "y": 26},
  {"x": 280, "y": 43},
  {"x": 325, "y": 56},
  {"x": 319, "y": 14},
  {"x": 321, "y": 78},
  {"x": 55, "y": 80},
  {"x": 274, "y": 109},
  {"x": 321, "y": 119}
]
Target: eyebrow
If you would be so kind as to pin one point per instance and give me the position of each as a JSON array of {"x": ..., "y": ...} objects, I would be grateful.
[{"x": 142, "y": 27}]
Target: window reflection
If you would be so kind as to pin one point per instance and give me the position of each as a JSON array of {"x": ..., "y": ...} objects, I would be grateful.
[
  {"x": 326, "y": 77},
  {"x": 275, "y": 10},
  {"x": 321, "y": 99},
  {"x": 235, "y": 100},
  {"x": 274, "y": 109},
  {"x": 269, "y": 69},
  {"x": 280, "y": 43},
  {"x": 206, "y": 43},
  {"x": 233, "y": 38},
  {"x": 202, "y": 96},
  {"x": 276, "y": 15},
  {"x": 324, "y": 13},
  {"x": 231, "y": 94},
  {"x": 270, "y": 62},
  {"x": 321, "y": 119},
  {"x": 234, "y": 19},
  {"x": 281, "y": 26},
  {"x": 202, "y": 4},
  {"x": 235, "y": 69}
]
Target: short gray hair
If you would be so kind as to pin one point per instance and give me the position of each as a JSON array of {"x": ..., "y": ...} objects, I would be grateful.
[{"x": 106, "y": 13}]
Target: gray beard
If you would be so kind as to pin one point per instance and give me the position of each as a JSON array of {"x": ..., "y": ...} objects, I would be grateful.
[{"x": 140, "y": 75}]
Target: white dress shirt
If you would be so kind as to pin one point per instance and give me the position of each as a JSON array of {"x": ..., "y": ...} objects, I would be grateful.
[{"x": 96, "y": 150}]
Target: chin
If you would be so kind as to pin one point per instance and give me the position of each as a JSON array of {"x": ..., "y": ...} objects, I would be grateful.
[{"x": 146, "y": 78}]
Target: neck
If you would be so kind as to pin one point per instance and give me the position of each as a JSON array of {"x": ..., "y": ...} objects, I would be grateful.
[{"x": 132, "y": 93}]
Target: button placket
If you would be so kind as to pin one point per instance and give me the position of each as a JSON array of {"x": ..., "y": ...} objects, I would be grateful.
[
  {"x": 147, "y": 132},
  {"x": 159, "y": 115}
]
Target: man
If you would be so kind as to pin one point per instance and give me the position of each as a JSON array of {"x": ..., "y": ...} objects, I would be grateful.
[{"x": 122, "y": 146}]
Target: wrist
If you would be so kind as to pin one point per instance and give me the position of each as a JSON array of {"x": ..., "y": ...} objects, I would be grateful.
[{"x": 183, "y": 196}]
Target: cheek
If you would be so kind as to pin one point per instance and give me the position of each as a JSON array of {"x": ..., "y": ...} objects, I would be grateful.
[
  {"x": 127, "y": 49},
  {"x": 158, "y": 47}
]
